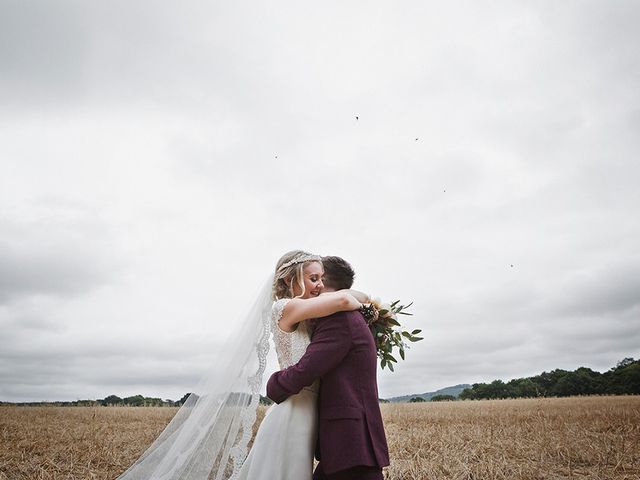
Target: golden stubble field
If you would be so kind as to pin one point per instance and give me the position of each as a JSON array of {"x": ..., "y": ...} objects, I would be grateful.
[{"x": 580, "y": 437}]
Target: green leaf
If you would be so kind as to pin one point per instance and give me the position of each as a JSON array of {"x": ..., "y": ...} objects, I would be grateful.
[
  {"x": 391, "y": 367},
  {"x": 415, "y": 332},
  {"x": 393, "y": 322},
  {"x": 415, "y": 339},
  {"x": 402, "y": 353},
  {"x": 406, "y": 334}
]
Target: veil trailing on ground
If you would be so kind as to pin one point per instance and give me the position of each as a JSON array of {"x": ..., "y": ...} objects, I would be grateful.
[{"x": 208, "y": 437}]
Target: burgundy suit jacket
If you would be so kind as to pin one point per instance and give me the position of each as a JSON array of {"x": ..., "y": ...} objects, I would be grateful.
[{"x": 342, "y": 354}]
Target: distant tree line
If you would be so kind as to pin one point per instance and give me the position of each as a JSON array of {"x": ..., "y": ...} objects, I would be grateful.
[
  {"x": 140, "y": 401},
  {"x": 110, "y": 401},
  {"x": 622, "y": 379},
  {"x": 435, "y": 398},
  {"x": 134, "y": 401},
  {"x": 442, "y": 398}
]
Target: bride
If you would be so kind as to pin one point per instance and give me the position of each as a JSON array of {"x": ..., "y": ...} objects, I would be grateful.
[
  {"x": 284, "y": 445},
  {"x": 209, "y": 435}
]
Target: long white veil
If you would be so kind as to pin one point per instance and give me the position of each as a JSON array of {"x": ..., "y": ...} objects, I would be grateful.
[{"x": 208, "y": 437}]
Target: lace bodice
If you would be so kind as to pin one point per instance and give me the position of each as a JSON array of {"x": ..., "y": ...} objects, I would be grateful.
[{"x": 290, "y": 346}]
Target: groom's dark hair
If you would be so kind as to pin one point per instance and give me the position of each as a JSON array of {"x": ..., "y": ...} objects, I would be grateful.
[{"x": 338, "y": 274}]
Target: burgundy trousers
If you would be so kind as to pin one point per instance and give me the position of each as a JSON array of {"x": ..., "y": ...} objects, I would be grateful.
[{"x": 355, "y": 473}]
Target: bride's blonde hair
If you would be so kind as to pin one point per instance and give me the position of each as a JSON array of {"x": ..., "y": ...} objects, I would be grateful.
[{"x": 289, "y": 271}]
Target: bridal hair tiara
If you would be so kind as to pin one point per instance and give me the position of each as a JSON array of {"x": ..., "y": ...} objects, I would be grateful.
[{"x": 306, "y": 257}]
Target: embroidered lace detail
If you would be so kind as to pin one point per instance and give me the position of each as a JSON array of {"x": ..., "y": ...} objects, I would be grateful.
[
  {"x": 290, "y": 346},
  {"x": 239, "y": 451}
]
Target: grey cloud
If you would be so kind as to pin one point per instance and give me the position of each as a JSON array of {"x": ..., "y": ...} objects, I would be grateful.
[
  {"x": 31, "y": 322},
  {"x": 55, "y": 256},
  {"x": 611, "y": 288},
  {"x": 56, "y": 271},
  {"x": 43, "y": 52},
  {"x": 33, "y": 368},
  {"x": 76, "y": 53},
  {"x": 25, "y": 345}
]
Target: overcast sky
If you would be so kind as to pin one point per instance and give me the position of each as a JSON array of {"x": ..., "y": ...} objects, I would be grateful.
[{"x": 156, "y": 158}]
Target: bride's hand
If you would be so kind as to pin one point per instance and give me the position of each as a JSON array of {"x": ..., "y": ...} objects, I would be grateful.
[{"x": 360, "y": 296}]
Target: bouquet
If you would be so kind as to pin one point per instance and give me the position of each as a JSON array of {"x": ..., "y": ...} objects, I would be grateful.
[{"x": 387, "y": 331}]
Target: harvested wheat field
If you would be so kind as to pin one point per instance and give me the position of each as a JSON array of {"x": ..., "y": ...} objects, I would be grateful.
[{"x": 581, "y": 437}]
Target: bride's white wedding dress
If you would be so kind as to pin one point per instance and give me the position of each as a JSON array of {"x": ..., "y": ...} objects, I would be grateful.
[{"x": 284, "y": 445}]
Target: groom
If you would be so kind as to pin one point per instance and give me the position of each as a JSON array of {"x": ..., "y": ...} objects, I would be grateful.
[{"x": 351, "y": 440}]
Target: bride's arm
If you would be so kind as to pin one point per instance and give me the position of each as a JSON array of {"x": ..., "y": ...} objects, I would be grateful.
[{"x": 298, "y": 309}]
